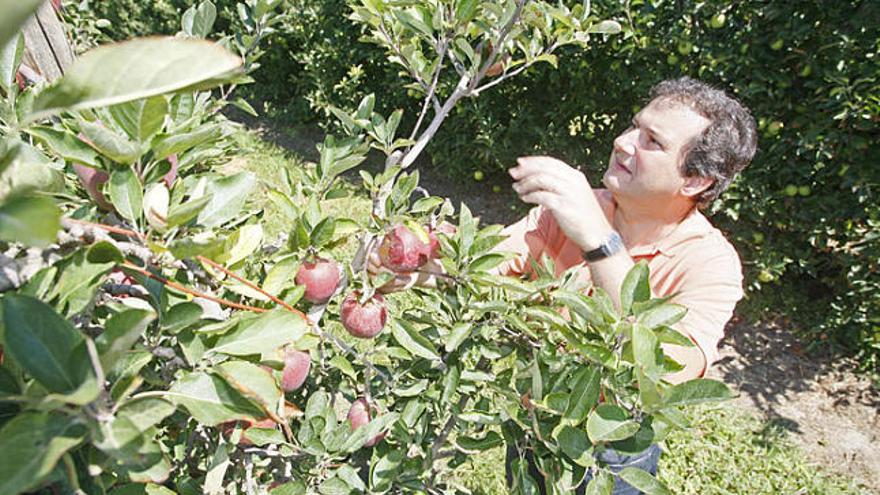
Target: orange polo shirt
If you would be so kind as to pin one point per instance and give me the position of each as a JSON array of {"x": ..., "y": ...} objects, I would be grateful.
[{"x": 694, "y": 264}]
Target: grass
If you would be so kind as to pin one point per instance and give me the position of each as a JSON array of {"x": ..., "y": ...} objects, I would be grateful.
[{"x": 729, "y": 451}]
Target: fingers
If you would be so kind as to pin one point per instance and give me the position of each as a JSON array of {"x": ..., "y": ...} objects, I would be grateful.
[
  {"x": 540, "y": 182},
  {"x": 544, "y": 198},
  {"x": 528, "y": 165}
]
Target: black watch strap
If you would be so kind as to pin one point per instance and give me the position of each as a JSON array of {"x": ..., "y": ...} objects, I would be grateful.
[{"x": 612, "y": 246}]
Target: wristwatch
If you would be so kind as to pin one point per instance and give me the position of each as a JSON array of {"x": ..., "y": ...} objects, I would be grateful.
[{"x": 610, "y": 247}]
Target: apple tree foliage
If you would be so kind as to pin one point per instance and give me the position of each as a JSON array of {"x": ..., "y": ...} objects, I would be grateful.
[{"x": 147, "y": 322}]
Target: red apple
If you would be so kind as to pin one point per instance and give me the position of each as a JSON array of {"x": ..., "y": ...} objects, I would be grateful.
[
  {"x": 320, "y": 277},
  {"x": 402, "y": 250},
  {"x": 363, "y": 321},
  {"x": 359, "y": 415},
  {"x": 296, "y": 369},
  {"x": 92, "y": 179}
]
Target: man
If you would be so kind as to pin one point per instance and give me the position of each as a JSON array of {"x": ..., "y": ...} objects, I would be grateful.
[{"x": 680, "y": 153}]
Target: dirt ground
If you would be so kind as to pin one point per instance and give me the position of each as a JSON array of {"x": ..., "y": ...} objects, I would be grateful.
[{"x": 832, "y": 413}]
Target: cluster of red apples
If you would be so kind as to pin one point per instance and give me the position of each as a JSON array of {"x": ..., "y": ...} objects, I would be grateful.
[{"x": 401, "y": 251}]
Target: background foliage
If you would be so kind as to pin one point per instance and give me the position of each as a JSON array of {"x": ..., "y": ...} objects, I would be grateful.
[{"x": 804, "y": 216}]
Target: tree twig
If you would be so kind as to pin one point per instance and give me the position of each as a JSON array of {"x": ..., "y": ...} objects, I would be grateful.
[
  {"x": 193, "y": 292},
  {"x": 252, "y": 285}
]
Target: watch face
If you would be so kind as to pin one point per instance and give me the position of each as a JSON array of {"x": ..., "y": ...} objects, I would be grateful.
[{"x": 609, "y": 248}]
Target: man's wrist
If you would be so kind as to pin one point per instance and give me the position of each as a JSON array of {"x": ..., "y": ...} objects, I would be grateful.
[{"x": 607, "y": 247}]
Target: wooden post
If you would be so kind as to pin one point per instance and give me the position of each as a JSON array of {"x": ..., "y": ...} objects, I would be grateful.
[{"x": 47, "y": 50}]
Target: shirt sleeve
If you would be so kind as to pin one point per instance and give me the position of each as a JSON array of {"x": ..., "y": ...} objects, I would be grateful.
[{"x": 710, "y": 288}]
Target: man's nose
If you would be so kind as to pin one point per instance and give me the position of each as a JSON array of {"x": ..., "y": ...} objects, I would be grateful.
[{"x": 626, "y": 142}]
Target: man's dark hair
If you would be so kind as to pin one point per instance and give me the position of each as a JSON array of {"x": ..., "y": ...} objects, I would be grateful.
[{"x": 726, "y": 146}]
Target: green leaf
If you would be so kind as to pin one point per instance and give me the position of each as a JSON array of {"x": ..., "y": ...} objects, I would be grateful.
[
  {"x": 247, "y": 240},
  {"x": 281, "y": 275},
  {"x": 609, "y": 423},
  {"x": 15, "y": 13},
  {"x": 672, "y": 336},
  {"x": 375, "y": 427},
  {"x": 33, "y": 221},
  {"x": 466, "y": 230},
  {"x": 31, "y": 444},
  {"x": 251, "y": 381},
  {"x": 601, "y": 484},
  {"x": 262, "y": 333},
  {"x": 186, "y": 211},
  {"x": 10, "y": 60},
  {"x": 121, "y": 332},
  {"x": 635, "y": 287},
  {"x": 181, "y": 316},
  {"x": 665, "y": 314},
  {"x": 323, "y": 232},
  {"x": 198, "y": 21},
  {"x": 576, "y": 445},
  {"x": 471, "y": 445},
  {"x": 65, "y": 144},
  {"x": 77, "y": 282},
  {"x": 45, "y": 345},
  {"x": 180, "y": 142},
  {"x": 457, "y": 335},
  {"x": 126, "y": 194},
  {"x": 203, "y": 243},
  {"x": 146, "y": 413},
  {"x": 289, "y": 488},
  {"x": 409, "y": 337},
  {"x": 228, "y": 195},
  {"x": 605, "y": 27},
  {"x": 643, "y": 481},
  {"x": 584, "y": 306},
  {"x": 136, "y": 69},
  {"x": 110, "y": 144},
  {"x": 141, "y": 119},
  {"x": 645, "y": 349},
  {"x": 486, "y": 262},
  {"x": 104, "y": 252},
  {"x": 584, "y": 394},
  {"x": 696, "y": 391},
  {"x": 141, "y": 489},
  {"x": 210, "y": 400},
  {"x": 24, "y": 168}
]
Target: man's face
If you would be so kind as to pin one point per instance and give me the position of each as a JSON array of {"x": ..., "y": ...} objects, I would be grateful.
[{"x": 645, "y": 165}]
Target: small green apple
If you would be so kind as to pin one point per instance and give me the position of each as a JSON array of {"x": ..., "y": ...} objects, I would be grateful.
[
  {"x": 478, "y": 175},
  {"x": 717, "y": 21},
  {"x": 672, "y": 59},
  {"x": 685, "y": 47},
  {"x": 804, "y": 190},
  {"x": 765, "y": 276},
  {"x": 777, "y": 45},
  {"x": 791, "y": 190},
  {"x": 496, "y": 188},
  {"x": 758, "y": 237},
  {"x": 774, "y": 127}
]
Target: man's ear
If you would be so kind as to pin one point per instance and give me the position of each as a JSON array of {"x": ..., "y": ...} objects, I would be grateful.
[{"x": 693, "y": 186}]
